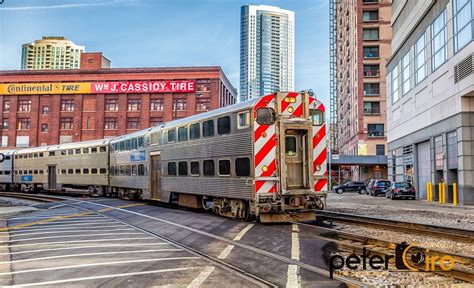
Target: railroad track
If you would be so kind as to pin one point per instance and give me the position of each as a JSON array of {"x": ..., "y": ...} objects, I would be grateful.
[
  {"x": 33, "y": 197},
  {"x": 394, "y": 225}
]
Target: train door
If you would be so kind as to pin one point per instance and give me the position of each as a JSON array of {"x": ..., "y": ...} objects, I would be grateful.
[
  {"x": 51, "y": 177},
  {"x": 155, "y": 176},
  {"x": 296, "y": 158}
]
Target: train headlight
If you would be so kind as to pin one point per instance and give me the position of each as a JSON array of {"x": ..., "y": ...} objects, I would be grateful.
[
  {"x": 318, "y": 167},
  {"x": 264, "y": 168},
  {"x": 290, "y": 99},
  {"x": 290, "y": 109}
]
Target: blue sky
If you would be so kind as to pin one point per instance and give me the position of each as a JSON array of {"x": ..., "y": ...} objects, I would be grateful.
[{"x": 156, "y": 33}]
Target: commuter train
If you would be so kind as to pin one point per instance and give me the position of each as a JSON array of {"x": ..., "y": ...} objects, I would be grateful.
[{"x": 263, "y": 158}]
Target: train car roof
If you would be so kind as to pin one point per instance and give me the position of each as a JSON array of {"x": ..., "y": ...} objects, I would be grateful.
[
  {"x": 72, "y": 145},
  {"x": 8, "y": 152},
  {"x": 131, "y": 135}
]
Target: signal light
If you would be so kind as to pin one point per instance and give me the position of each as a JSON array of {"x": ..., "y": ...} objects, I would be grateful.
[{"x": 290, "y": 99}]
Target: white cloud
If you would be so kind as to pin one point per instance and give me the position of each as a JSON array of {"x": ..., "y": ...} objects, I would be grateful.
[{"x": 72, "y": 5}]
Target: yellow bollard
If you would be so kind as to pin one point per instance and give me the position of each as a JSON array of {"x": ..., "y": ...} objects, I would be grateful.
[
  {"x": 455, "y": 194},
  {"x": 431, "y": 191},
  {"x": 428, "y": 191},
  {"x": 440, "y": 199},
  {"x": 444, "y": 192}
]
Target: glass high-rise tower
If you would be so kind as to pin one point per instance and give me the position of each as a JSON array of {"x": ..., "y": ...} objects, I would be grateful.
[{"x": 267, "y": 58}]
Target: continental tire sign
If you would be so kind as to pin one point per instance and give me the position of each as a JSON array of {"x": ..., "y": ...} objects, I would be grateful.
[{"x": 97, "y": 87}]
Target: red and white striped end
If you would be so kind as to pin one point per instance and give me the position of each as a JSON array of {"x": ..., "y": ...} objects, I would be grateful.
[
  {"x": 293, "y": 108},
  {"x": 319, "y": 150},
  {"x": 265, "y": 149}
]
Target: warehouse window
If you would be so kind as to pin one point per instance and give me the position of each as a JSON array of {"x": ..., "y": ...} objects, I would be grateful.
[
  {"x": 67, "y": 105},
  {"x": 155, "y": 121},
  {"x": 179, "y": 105},
  {"x": 194, "y": 168},
  {"x": 208, "y": 168},
  {"x": 133, "y": 123},
  {"x": 24, "y": 105},
  {"x": 171, "y": 135},
  {"x": 223, "y": 125},
  {"x": 45, "y": 110},
  {"x": 66, "y": 123},
  {"x": 23, "y": 123},
  {"x": 6, "y": 105},
  {"x": 208, "y": 128},
  {"x": 141, "y": 169},
  {"x": 183, "y": 168},
  {"x": 156, "y": 104},
  {"x": 134, "y": 105},
  {"x": 110, "y": 123},
  {"x": 224, "y": 167},
  {"x": 5, "y": 123},
  {"x": 194, "y": 131},
  {"x": 242, "y": 167},
  {"x": 172, "y": 169},
  {"x": 182, "y": 133},
  {"x": 111, "y": 104}
]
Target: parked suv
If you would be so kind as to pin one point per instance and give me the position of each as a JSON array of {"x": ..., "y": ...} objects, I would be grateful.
[
  {"x": 401, "y": 190},
  {"x": 378, "y": 187},
  {"x": 354, "y": 186}
]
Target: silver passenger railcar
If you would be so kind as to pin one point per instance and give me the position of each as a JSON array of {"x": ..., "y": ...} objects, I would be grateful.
[
  {"x": 73, "y": 167},
  {"x": 6, "y": 169},
  {"x": 129, "y": 166}
]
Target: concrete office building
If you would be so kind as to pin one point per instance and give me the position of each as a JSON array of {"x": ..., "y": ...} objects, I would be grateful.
[
  {"x": 430, "y": 111},
  {"x": 51, "y": 53},
  {"x": 267, "y": 57}
]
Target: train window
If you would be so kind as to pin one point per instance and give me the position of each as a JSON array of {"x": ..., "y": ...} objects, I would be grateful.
[
  {"x": 112, "y": 170},
  {"x": 103, "y": 171},
  {"x": 121, "y": 146},
  {"x": 141, "y": 169},
  {"x": 51, "y": 153},
  {"x": 224, "y": 167},
  {"x": 243, "y": 120},
  {"x": 154, "y": 138},
  {"x": 40, "y": 155},
  {"x": 16, "y": 156},
  {"x": 20, "y": 172},
  {"x": 128, "y": 144},
  {"x": 30, "y": 155},
  {"x": 70, "y": 171},
  {"x": 208, "y": 128},
  {"x": 63, "y": 152},
  {"x": 8, "y": 172},
  {"x": 35, "y": 172},
  {"x": 290, "y": 146},
  {"x": 35, "y": 155},
  {"x": 183, "y": 168},
  {"x": 1, "y": 172},
  {"x": 70, "y": 152},
  {"x": 194, "y": 131},
  {"x": 94, "y": 150},
  {"x": 30, "y": 172},
  {"x": 122, "y": 170},
  {"x": 172, "y": 169},
  {"x": 242, "y": 167},
  {"x": 208, "y": 168},
  {"x": 134, "y": 170},
  {"x": 223, "y": 125},
  {"x": 171, "y": 135},
  {"x": 134, "y": 143},
  {"x": 85, "y": 150},
  {"x": 78, "y": 151},
  {"x": 102, "y": 149},
  {"x": 85, "y": 171},
  {"x": 128, "y": 170},
  {"x": 78, "y": 171},
  {"x": 316, "y": 117},
  {"x": 141, "y": 142},
  {"x": 194, "y": 168},
  {"x": 94, "y": 171},
  {"x": 16, "y": 172},
  {"x": 182, "y": 133},
  {"x": 63, "y": 171},
  {"x": 265, "y": 116}
]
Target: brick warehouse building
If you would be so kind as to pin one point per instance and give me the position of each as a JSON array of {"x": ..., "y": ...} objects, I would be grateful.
[{"x": 60, "y": 106}]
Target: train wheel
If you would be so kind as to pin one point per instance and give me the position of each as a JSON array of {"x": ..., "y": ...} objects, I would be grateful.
[
  {"x": 123, "y": 194},
  {"x": 97, "y": 191}
]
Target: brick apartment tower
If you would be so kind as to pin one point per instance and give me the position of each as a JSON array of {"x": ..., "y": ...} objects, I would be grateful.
[{"x": 363, "y": 47}]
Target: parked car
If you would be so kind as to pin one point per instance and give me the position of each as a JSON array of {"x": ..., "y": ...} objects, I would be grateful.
[
  {"x": 352, "y": 186},
  {"x": 401, "y": 190},
  {"x": 378, "y": 187}
]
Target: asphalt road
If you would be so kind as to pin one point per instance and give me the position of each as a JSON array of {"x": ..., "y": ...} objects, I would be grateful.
[{"x": 63, "y": 245}]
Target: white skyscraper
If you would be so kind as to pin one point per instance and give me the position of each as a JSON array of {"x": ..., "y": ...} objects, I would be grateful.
[{"x": 267, "y": 58}]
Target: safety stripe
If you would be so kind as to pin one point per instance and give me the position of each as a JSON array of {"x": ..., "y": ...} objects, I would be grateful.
[
  {"x": 320, "y": 184},
  {"x": 260, "y": 155}
]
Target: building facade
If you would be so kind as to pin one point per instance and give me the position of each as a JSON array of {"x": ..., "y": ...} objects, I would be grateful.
[
  {"x": 51, "y": 53},
  {"x": 267, "y": 57},
  {"x": 363, "y": 47},
  {"x": 430, "y": 110},
  {"x": 59, "y": 106}
]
